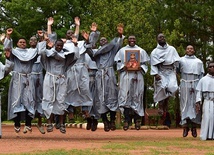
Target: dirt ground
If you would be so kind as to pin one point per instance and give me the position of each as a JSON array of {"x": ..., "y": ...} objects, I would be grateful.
[{"x": 77, "y": 138}]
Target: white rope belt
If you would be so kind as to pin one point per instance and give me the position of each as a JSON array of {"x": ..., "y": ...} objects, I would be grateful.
[
  {"x": 36, "y": 73},
  {"x": 19, "y": 87},
  {"x": 54, "y": 83}
]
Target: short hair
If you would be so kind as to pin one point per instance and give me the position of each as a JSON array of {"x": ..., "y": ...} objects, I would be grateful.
[
  {"x": 102, "y": 38},
  {"x": 22, "y": 38},
  {"x": 209, "y": 62},
  {"x": 120, "y": 25},
  {"x": 60, "y": 40}
]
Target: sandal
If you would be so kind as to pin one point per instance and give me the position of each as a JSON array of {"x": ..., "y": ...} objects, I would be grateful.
[
  {"x": 62, "y": 128},
  {"x": 49, "y": 128},
  {"x": 41, "y": 129},
  {"x": 17, "y": 129},
  {"x": 26, "y": 129}
]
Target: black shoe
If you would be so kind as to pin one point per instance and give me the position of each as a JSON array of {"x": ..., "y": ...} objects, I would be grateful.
[
  {"x": 57, "y": 126},
  {"x": 89, "y": 122},
  {"x": 125, "y": 126},
  {"x": 113, "y": 125},
  {"x": 94, "y": 125},
  {"x": 185, "y": 131},
  {"x": 194, "y": 132},
  {"x": 137, "y": 125},
  {"x": 106, "y": 126}
]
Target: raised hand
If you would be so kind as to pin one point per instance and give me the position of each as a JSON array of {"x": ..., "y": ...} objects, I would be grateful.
[
  {"x": 77, "y": 21},
  {"x": 120, "y": 28},
  {"x": 50, "y": 21},
  {"x": 64, "y": 40},
  {"x": 9, "y": 31},
  {"x": 7, "y": 53},
  {"x": 93, "y": 27},
  {"x": 40, "y": 33},
  {"x": 2, "y": 37},
  {"x": 85, "y": 35}
]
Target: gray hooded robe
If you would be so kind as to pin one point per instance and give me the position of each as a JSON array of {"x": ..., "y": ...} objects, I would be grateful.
[
  {"x": 163, "y": 61},
  {"x": 20, "y": 97},
  {"x": 205, "y": 93},
  {"x": 131, "y": 86},
  {"x": 192, "y": 70},
  {"x": 55, "y": 86},
  {"x": 78, "y": 91},
  {"x": 106, "y": 84}
]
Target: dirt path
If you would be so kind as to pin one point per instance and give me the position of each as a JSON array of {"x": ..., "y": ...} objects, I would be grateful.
[{"x": 76, "y": 138}]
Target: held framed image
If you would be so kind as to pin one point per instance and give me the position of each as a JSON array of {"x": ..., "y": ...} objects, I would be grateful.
[{"x": 132, "y": 60}]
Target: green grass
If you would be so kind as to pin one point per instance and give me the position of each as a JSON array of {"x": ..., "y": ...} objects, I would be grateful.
[{"x": 176, "y": 146}]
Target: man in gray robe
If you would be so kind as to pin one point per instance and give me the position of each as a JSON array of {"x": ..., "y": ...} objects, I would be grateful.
[
  {"x": 106, "y": 84},
  {"x": 131, "y": 82},
  {"x": 56, "y": 62},
  {"x": 90, "y": 44},
  {"x": 37, "y": 78},
  {"x": 205, "y": 97},
  {"x": 68, "y": 44},
  {"x": 78, "y": 92},
  {"x": 191, "y": 70},
  {"x": 19, "y": 105},
  {"x": 164, "y": 59}
]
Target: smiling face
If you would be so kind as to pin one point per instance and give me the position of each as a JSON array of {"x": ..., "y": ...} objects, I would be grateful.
[
  {"x": 59, "y": 45},
  {"x": 132, "y": 41},
  {"x": 22, "y": 43},
  {"x": 190, "y": 50}
]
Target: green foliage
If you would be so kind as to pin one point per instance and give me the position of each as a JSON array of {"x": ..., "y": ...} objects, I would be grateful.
[{"x": 4, "y": 83}]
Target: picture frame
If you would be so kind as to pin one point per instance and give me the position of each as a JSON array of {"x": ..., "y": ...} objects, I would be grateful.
[{"x": 132, "y": 60}]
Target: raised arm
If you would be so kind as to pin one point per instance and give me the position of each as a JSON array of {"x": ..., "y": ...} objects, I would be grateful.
[
  {"x": 94, "y": 35},
  {"x": 105, "y": 49},
  {"x": 49, "y": 24},
  {"x": 8, "y": 43},
  {"x": 77, "y": 28},
  {"x": 91, "y": 38}
]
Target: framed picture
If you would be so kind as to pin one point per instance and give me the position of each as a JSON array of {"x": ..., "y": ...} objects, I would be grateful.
[{"x": 132, "y": 60}]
